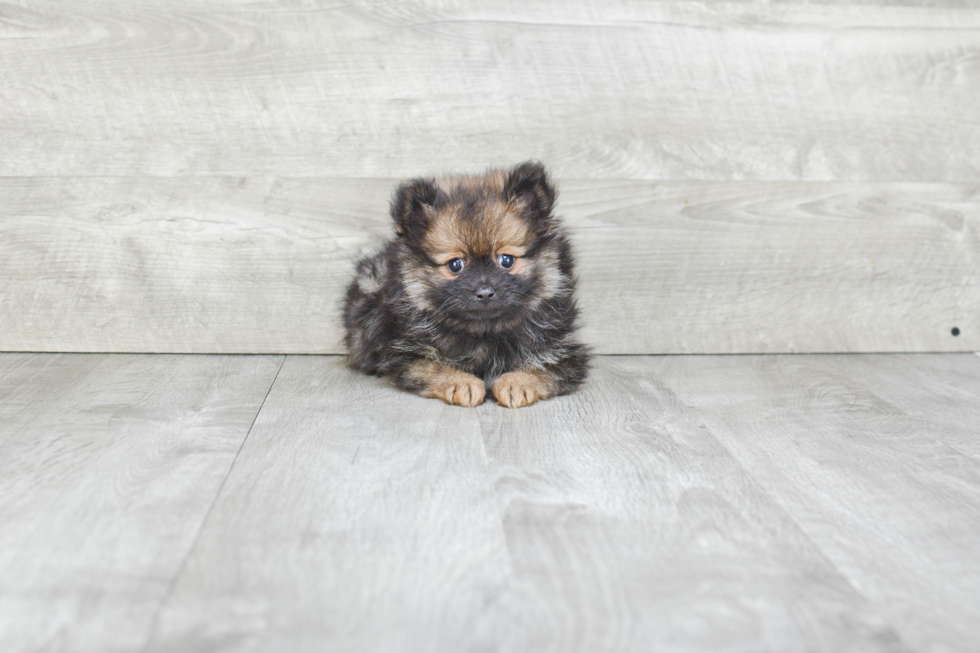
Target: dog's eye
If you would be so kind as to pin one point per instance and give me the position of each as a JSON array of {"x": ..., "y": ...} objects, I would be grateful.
[
  {"x": 506, "y": 261},
  {"x": 455, "y": 266}
]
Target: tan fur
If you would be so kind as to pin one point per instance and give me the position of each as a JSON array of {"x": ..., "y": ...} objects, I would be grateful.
[
  {"x": 446, "y": 237},
  {"x": 451, "y": 385},
  {"x": 499, "y": 229},
  {"x": 523, "y": 388},
  {"x": 493, "y": 180},
  {"x": 417, "y": 284},
  {"x": 552, "y": 281},
  {"x": 500, "y": 226}
]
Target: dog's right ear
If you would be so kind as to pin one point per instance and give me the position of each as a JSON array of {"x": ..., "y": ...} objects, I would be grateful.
[
  {"x": 528, "y": 184},
  {"x": 408, "y": 206}
]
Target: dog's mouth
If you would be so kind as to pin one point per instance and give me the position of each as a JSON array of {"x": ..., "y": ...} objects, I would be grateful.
[{"x": 485, "y": 312}]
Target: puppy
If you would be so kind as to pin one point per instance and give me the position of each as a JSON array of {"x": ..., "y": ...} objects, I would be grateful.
[{"x": 474, "y": 292}]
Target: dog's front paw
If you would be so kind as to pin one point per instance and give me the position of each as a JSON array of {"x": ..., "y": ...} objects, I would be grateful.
[
  {"x": 520, "y": 388},
  {"x": 460, "y": 389}
]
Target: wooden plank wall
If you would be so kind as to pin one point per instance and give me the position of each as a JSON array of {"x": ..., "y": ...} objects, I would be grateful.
[{"x": 738, "y": 177}]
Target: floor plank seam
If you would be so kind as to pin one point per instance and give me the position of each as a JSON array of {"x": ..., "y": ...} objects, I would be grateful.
[
  {"x": 155, "y": 624},
  {"x": 498, "y": 501}
]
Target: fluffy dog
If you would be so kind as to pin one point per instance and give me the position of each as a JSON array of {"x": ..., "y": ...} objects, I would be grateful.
[{"x": 475, "y": 292}]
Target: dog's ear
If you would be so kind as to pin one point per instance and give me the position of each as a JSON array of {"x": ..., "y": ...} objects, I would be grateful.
[
  {"x": 528, "y": 185},
  {"x": 409, "y": 204}
]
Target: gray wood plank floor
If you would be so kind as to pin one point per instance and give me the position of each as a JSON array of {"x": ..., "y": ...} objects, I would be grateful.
[
  {"x": 236, "y": 503},
  {"x": 108, "y": 466}
]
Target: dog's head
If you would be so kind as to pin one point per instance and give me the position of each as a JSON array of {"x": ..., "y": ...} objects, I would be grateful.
[{"x": 479, "y": 249}]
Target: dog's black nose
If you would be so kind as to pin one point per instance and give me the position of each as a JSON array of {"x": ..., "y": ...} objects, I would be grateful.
[{"x": 484, "y": 293}]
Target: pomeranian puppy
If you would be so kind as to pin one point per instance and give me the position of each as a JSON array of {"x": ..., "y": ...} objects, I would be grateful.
[{"x": 475, "y": 292}]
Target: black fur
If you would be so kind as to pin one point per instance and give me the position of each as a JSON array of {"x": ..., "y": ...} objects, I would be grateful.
[{"x": 400, "y": 309}]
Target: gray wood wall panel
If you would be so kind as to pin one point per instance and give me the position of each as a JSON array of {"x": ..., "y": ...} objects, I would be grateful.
[
  {"x": 361, "y": 518},
  {"x": 197, "y": 177},
  {"x": 637, "y": 90},
  {"x": 841, "y": 459},
  {"x": 257, "y": 265},
  {"x": 108, "y": 466}
]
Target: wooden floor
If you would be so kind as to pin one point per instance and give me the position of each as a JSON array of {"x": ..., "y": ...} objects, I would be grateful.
[{"x": 270, "y": 503}]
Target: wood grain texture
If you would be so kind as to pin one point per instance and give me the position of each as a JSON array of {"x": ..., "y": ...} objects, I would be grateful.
[
  {"x": 886, "y": 499},
  {"x": 357, "y": 518},
  {"x": 364, "y": 519},
  {"x": 630, "y": 528},
  {"x": 108, "y": 465},
  {"x": 623, "y": 90},
  {"x": 941, "y": 392},
  {"x": 766, "y": 268},
  {"x": 777, "y": 503},
  {"x": 259, "y": 265}
]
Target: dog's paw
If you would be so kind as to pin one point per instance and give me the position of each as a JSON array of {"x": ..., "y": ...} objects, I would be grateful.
[
  {"x": 460, "y": 389},
  {"x": 520, "y": 388}
]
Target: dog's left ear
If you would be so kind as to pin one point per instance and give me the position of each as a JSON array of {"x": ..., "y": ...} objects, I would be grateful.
[{"x": 528, "y": 185}]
